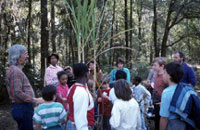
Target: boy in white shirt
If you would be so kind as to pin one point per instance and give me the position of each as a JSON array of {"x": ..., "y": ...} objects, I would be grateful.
[{"x": 142, "y": 96}]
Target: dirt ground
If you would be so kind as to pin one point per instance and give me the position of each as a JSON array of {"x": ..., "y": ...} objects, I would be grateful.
[{"x": 6, "y": 120}]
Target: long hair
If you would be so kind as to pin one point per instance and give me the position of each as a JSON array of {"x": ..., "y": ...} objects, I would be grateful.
[
  {"x": 15, "y": 53},
  {"x": 122, "y": 90}
]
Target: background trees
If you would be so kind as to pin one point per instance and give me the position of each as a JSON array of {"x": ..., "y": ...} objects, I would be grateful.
[{"x": 137, "y": 30}]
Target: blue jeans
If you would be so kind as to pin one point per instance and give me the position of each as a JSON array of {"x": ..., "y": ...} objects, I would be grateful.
[
  {"x": 23, "y": 115},
  {"x": 71, "y": 126}
]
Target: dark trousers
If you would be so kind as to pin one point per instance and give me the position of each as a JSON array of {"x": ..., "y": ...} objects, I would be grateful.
[
  {"x": 23, "y": 114},
  {"x": 106, "y": 124},
  {"x": 157, "y": 116}
]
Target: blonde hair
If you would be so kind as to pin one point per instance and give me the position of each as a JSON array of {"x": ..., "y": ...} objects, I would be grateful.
[{"x": 91, "y": 88}]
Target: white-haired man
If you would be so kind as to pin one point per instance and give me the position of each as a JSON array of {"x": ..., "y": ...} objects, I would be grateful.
[{"x": 19, "y": 88}]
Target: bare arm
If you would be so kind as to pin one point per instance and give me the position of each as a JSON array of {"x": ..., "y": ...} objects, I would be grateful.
[
  {"x": 163, "y": 123},
  {"x": 63, "y": 99},
  {"x": 38, "y": 126}
]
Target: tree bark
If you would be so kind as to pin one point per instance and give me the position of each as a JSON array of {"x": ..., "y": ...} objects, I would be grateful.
[
  {"x": 112, "y": 32},
  {"x": 44, "y": 36},
  {"x": 167, "y": 29},
  {"x": 53, "y": 34},
  {"x": 126, "y": 28},
  {"x": 131, "y": 25},
  {"x": 155, "y": 20},
  {"x": 29, "y": 29}
]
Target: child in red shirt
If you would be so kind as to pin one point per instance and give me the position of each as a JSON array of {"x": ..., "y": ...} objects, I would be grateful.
[
  {"x": 62, "y": 89},
  {"x": 105, "y": 105}
]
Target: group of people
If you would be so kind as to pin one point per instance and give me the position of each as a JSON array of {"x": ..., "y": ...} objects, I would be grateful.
[{"x": 73, "y": 98}]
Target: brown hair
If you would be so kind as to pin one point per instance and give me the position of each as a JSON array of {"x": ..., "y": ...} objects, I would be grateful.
[
  {"x": 122, "y": 90},
  {"x": 120, "y": 60}
]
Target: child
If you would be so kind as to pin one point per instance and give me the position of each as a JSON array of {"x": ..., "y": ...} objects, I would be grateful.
[
  {"x": 142, "y": 96},
  {"x": 50, "y": 115},
  {"x": 125, "y": 113},
  {"x": 80, "y": 101},
  {"x": 62, "y": 88},
  {"x": 50, "y": 77},
  {"x": 105, "y": 105},
  {"x": 90, "y": 85}
]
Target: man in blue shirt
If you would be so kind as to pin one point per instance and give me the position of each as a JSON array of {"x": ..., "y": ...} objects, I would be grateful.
[
  {"x": 189, "y": 75},
  {"x": 120, "y": 66}
]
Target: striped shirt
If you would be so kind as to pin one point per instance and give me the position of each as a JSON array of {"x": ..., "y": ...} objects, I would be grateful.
[
  {"x": 18, "y": 86},
  {"x": 49, "y": 114}
]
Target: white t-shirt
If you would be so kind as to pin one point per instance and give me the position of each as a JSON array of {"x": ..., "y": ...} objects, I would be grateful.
[
  {"x": 112, "y": 96},
  {"x": 125, "y": 115}
]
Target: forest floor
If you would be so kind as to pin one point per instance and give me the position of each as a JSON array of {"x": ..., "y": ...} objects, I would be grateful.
[{"x": 6, "y": 120}]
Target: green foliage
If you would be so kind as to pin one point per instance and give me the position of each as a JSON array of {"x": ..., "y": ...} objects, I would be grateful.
[{"x": 140, "y": 69}]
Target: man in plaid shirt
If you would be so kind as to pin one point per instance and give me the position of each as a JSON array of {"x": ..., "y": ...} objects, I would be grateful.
[{"x": 19, "y": 88}]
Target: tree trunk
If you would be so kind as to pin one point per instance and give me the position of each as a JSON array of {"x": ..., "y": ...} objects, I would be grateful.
[
  {"x": 44, "y": 36},
  {"x": 71, "y": 44},
  {"x": 155, "y": 20},
  {"x": 112, "y": 31},
  {"x": 53, "y": 34},
  {"x": 131, "y": 26},
  {"x": 167, "y": 29},
  {"x": 29, "y": 29},
  {"x": 126, "y": 28}
]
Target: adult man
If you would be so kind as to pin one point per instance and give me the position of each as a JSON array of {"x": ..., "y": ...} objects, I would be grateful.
[
  {"x": 120, "y": 66},
  {"x": 179, "y": 103},
  {"x": 19, "y": 89},
  {"x": 189, "y": 75}
]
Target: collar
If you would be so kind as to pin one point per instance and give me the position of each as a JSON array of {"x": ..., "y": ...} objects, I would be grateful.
[{"x": 53, "y": 66}]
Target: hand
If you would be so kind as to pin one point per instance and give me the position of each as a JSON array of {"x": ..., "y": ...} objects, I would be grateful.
[
  {"x": 99, "y": 99},
  {"x": 64, "y": 99},
  {"x": 39, "y": 101},
  {"x": 105, "y": 96}
]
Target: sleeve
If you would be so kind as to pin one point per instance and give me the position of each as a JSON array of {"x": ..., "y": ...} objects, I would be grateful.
[
  {"x": 81, "y": 101},
  {"x": 192, "y": 78},
  {"x": 128, "y": 78},
  {"x": 112, "y": 77},
  {"x": 165, "y": 103},
  {"x": 47, "y": 76},
  {"x": 115, "y": 116},
  {"x": 139, "y": 122},
  {"x": 58, "y": 91},
  {"x": 63, "y": 114},
  {"x": 17, "y": 84},
  {"x": 147, "y": 95},
  {"x": 37, "y": 118},
  {"x": 150, "y": 76}
]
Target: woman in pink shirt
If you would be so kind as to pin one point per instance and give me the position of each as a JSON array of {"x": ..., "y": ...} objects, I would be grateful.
[
  {"x": 62, "y": 88},
  {"x": 51, "y": 71}
]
